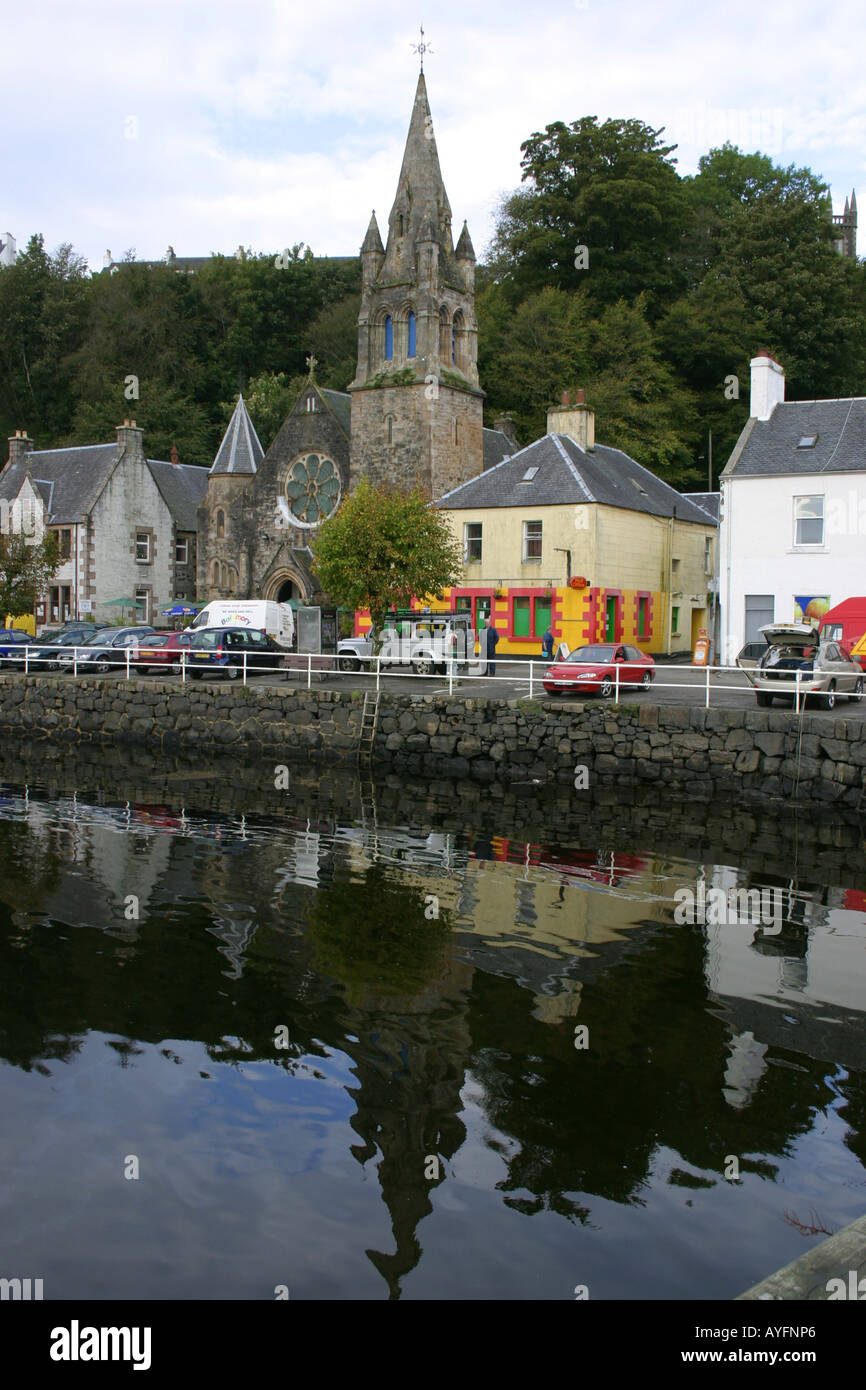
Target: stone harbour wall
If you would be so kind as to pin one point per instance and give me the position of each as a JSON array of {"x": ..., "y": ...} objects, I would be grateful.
[{"x": 754, "y": 753}]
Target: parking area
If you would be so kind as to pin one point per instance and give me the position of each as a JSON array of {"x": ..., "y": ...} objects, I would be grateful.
[{"x": 678, "y": 684}]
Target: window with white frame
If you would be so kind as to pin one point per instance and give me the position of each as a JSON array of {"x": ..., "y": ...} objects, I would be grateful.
[
  {"x": 532, "y": 542},
  {"x": 181, "y": 552},
  {"x": 809, "y": 520},
  {"x": 472, "y": 541},
  {"x": 142, "y": 547}
]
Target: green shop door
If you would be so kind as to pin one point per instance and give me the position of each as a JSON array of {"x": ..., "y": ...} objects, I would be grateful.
[
  {"x": 542, "y": 616},
  {"x": 610, "y": 621}
]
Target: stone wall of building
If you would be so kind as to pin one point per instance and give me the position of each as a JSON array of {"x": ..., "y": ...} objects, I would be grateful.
[
  {"x": 702, "y": 754},
  {"x": 422, "y": 448}
]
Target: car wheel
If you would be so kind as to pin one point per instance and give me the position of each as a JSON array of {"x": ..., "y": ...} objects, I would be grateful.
[
  {"x": 605, "y": 690},
  {"x": 764, "y": 700},
  {"x": 857, "y": 692},
  {"x": 423, "y": 668},
  {"x": 232, "y": 672},
  {"x": 103, "y": 667},
  {"x": 349, "y": 663},
  {"x": 646, "y": 680},
  {"x": 830, "y": 696},
  {"x": 176, "y": 668}
]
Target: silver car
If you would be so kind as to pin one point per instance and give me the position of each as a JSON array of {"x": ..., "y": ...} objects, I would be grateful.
[{"x": 798, "y": 663}]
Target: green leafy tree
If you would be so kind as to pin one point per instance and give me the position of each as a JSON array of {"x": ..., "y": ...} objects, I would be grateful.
[
  {"x": 383, "y": 547},
  {"x": 269, "y": 397},
  {"x": 611, "y": 187},
  {"x": 26, "y": 566}
]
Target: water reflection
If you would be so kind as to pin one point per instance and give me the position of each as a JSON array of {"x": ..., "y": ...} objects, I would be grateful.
[{"x": 431, "y": 1100}]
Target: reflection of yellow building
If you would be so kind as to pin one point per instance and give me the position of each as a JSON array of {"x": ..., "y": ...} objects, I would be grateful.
[{"x": 578, "y": 535}]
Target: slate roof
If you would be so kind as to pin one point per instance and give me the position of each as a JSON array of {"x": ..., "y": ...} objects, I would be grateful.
[
  {"x": 69, "y": 480},
  {"x": 497, "y": 446},
  {"x": 707, "y": 501},
  {"x": 240, "y": 450},
  {"x": 769, "y": 447},
  {"x": 341, "y": 404},
  {"x": 569, "y": 474},
  {"x": 182, "y": 487}
]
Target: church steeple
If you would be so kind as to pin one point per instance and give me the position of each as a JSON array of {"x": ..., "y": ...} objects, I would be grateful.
[{"x": 416, "y": 384}]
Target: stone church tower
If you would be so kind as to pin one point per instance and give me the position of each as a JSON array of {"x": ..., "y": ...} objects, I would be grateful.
[{"x": 416, "y": 402}]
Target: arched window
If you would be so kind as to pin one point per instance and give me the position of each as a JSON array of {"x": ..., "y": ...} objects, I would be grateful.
[
  {"x": 224, "y": 577},
  {"x": 444, "y": 334},
  {"x": 454, "y": 342},
  {"x": 216, "y": 574},
  {"x": 410, "y": 351},
  {"x": 400, "y": 225},
  {"x": 458, "y": 341},
  {"x": 221, "y": 524},
  {"x": 389, "y": 339},
  {"x": 455, "y": 429},
  {"x": 390, "y": 428}
]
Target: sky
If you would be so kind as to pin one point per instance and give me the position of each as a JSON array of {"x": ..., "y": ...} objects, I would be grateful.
[{"x": 264, "y": 123}]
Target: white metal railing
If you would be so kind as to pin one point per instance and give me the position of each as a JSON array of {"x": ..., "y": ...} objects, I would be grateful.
[{"x": 127, "y": 662}]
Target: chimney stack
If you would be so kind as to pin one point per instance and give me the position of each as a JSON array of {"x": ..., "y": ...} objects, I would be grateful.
[
  {"x": 505, "y": 425},
  {"x": 768, "y": 386},
  {"x": 129, "y": 437},
  {"x": 173, "y": 455},
  {"x": 576, "y": 420},
  {"x": 20, "y": 444}
]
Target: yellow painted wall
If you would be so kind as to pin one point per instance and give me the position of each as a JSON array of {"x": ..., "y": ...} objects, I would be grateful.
[{"x": 26, "y": 622}]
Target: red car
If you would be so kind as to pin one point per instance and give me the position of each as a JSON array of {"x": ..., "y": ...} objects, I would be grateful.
[
  {"x": 593, "y": 670},
  {"x": 161, "y": 650}
]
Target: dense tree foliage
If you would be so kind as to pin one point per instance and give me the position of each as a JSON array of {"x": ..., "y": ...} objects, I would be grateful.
[{"x": 681, "y": 282}]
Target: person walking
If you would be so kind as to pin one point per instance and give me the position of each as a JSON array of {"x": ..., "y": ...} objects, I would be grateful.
[{"x": 547, "y": 644}]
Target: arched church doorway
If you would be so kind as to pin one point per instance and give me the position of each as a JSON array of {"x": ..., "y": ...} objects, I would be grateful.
[{"x": 287, "y": 591}]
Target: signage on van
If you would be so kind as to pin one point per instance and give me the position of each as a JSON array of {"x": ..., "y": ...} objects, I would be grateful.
[{"x": 276, "y": 619}]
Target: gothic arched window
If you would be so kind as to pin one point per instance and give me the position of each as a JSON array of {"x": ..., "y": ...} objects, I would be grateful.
[
  {"x": 453, "y": 342},
  {"x": 389, "y": 338},
  {"x": 410, "y": 351},
  {"x": 220, "y": 524}
]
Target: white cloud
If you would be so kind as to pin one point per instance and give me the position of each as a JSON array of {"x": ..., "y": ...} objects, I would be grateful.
[{"x": 277, "y": 121}]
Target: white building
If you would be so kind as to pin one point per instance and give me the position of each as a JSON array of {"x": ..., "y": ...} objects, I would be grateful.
[
  {"x": 8, "y": 250},
  {"x": 126, "y": 524},
  {"x": 792, "y": 537}
]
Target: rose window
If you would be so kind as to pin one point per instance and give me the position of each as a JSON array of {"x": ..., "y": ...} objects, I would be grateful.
[{"x": 312, "y": 489}]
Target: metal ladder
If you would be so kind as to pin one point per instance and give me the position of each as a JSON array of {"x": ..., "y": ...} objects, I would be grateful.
[{"x": 369, "y": 720}]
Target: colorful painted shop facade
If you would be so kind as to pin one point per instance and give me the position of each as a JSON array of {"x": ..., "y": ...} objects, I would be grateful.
[{"x": 580, "y": 537}]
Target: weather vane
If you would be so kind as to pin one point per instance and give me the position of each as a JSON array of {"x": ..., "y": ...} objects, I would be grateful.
[{"x": 421, "y": 48}]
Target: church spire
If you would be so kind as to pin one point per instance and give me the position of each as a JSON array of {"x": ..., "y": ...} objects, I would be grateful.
[
  {"x": 420, "y": 187},
  {"x": 240, "y": 451}
]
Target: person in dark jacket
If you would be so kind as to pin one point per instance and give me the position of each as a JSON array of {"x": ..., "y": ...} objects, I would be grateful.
[
  {"x": 547, "y": 644},
  {"x": 490, "y": 639}
]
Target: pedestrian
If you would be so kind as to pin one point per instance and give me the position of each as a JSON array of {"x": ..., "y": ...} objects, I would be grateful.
[
  {"x": 547, "y": 644},
  {"x": 491, "y": 640}
]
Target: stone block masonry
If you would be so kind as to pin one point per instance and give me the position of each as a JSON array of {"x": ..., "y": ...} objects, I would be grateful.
[{"x": 753, "y": 754}]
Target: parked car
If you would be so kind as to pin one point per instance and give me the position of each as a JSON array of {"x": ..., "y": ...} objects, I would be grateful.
[
  {"x": 593, "y": 670},
  {"x": 161, "y": 650},
  {"x": 12, "y": 640},
  {"x": 423, "y": 643},
  {"x": 796, "y": 657},
  {"x": 43, "y": 653},
  {"x": 224, "y": 648},
  {"x": 102, "y": 651}
]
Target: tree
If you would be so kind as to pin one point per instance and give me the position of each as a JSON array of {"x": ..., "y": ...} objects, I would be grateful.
[
  {"x": 612, "y": 188},
  {"x": 25, "y": 569},
  {"x": 383, "y": 547}
]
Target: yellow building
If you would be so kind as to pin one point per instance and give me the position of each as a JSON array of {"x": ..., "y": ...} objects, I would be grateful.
[{"x": 578, "y": 535}]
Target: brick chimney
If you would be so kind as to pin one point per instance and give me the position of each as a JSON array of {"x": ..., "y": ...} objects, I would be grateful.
[
  {"x": 768, "y": 386},
  {"x": 505, "y": 425},
  {"x": 20, "y": 444},
  {"x": 173, "y": 455},
  {"x": 129, "y": 438},
  {"x": 575, "y": 419}
]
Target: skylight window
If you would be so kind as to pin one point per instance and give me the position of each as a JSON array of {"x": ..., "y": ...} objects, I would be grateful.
[
  {"x": 642, "y": 490},
  {"x": 529, "y": 475},
  {"x": 808, "y": 441}
]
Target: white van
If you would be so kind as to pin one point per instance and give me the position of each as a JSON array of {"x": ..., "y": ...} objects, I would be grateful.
[{"x": 276, "y": 619}]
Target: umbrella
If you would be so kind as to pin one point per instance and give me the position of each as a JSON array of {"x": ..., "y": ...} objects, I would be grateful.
[
  {"x": 125, "y": 603},
  {"x": 180, "y": 610}
]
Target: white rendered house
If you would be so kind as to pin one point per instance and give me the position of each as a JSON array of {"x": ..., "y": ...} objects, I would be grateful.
[{"x": 792, "y": 535}]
